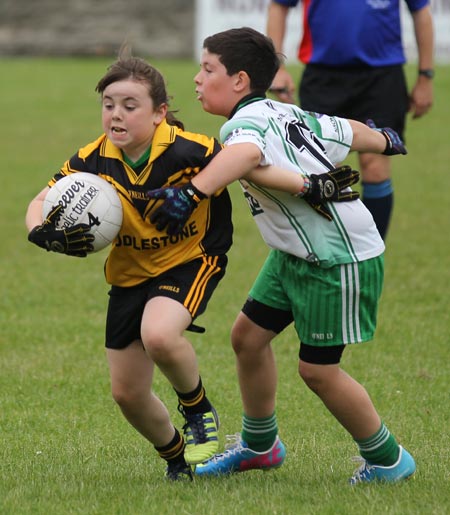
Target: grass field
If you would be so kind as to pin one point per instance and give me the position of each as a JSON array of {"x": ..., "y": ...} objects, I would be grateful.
[{"x": 64, "y": 446}]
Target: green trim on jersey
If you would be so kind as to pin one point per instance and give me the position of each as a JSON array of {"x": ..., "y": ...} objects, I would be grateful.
[
  {"x": 136, "y": 164},
  {"x": 313, "y": 123},
  {"x": 237, "y": 124},
  {"x": 250, "y": 101},
  {"x": 296, "y": 226},
  {"x": 288, "y": 149}
]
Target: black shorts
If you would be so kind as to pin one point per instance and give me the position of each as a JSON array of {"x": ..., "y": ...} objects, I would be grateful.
[
  {"x": 191, "y": 284},
  {"x": 273, "y": 319},
  {"x": 359, "y": 93}
]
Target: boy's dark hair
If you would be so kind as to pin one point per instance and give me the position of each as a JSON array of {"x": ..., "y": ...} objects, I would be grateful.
[
  {"x": 135, "y": 68},
  {"x": 248, "y": 50}
]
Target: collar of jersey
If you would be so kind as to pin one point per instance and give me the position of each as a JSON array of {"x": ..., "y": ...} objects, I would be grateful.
[
  {"x": 244, "y": 101},
  {"x": 136, "y": 164},
  {"x": 163, "y": 137}
]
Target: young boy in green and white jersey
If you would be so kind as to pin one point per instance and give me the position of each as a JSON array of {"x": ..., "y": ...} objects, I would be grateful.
[{"x": 325, "y": 268}]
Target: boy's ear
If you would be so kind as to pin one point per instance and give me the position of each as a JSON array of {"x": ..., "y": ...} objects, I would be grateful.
[{"x": 242, "y": 82}]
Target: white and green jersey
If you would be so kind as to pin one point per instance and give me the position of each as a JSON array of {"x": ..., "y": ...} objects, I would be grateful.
[{"x": 307, "y": 143}]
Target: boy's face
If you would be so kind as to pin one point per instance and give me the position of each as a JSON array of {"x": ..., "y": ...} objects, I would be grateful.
[{"x": 217, "y": 91}]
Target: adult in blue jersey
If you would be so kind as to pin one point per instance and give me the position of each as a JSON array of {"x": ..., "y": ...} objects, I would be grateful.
[{"x": 353, "y": 56}]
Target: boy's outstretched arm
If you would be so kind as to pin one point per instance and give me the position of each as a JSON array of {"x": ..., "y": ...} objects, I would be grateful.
[
  {"x": 232, "y": 163},
  {"x": 369, "y": 138},
  {"x": 240, "y": 161}
]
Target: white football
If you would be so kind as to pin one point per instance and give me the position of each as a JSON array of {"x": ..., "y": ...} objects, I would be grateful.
[{"x": 87, "y": 198}]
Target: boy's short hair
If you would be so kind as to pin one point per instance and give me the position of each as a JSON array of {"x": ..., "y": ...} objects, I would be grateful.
[{"x": 248, "y": 50}]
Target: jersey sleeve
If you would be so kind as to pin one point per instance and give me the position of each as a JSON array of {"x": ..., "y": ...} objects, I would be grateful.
[
  {"x": 416, "y": 5},
  {"x": 241, "y": 130},
  {"x": 246, "y": 130},
  {"x": 79, "y": 162}
]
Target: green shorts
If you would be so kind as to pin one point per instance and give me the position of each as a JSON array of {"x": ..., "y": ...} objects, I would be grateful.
[{"x": 330, "y": 306}]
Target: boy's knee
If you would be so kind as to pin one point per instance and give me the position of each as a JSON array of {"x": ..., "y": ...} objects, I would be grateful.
[
  {"x": 316, "y": 377},
  {"x": 238, "y": 339},
  {"x": 247, "y": 340},
  {"x": 306, "y": 372}
]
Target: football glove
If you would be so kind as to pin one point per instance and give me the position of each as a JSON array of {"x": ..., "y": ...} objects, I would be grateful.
[
  {"x": 394, "y": 144},
  {"x": 178, "y": 205},
  {"x": 319, "y": 189},
  {"x": 73, "y": 241}
]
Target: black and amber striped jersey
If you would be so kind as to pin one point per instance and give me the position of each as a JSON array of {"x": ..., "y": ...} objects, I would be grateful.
[{"x": 140, "y": 251}]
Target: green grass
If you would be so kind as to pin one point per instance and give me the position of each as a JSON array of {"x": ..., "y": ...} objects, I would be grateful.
[{"x": 64, "y": 446}]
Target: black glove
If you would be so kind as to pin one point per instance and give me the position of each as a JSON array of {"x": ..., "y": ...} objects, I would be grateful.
[
  {"x": 328, "y": 187},
  {"x": 74, "y": 241},
  {"x": 394, "y": 144},
  {"x": 178, "y": 205}
]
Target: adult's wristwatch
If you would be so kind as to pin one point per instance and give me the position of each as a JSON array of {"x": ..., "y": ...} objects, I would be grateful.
[{"x": 428, "y": 73}]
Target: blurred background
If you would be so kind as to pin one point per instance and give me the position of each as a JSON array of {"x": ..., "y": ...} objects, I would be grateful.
[
  {"x": 63, "y": 448},
  {"x": 160, "y": 29}
]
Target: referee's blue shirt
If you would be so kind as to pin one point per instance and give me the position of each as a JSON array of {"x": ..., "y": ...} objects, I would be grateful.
[{"x": 352, "y": 32}]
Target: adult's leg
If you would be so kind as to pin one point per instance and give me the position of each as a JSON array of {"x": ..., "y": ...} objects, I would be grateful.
[{"x": 377, "y": 189}]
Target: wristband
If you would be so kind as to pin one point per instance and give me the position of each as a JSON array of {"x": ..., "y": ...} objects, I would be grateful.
[
  {"x": 194, "y": 193},
  {"x": 305, "y": 188},
  {"x": 428, "y": 73},
  {"x": 388, "y": 142}
]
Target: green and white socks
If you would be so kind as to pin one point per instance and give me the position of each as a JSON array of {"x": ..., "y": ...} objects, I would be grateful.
[
  {"x": 259, "y": 433},
  {"x": 381, "y": 448}
]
